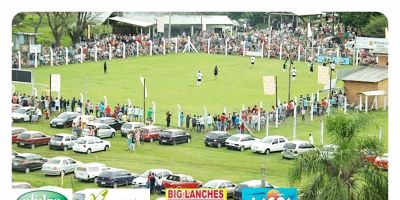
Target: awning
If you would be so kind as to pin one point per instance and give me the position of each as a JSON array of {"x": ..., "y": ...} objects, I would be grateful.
[
  {"x": 374, "y": 93},
  {"x": 136, "y": 22}
]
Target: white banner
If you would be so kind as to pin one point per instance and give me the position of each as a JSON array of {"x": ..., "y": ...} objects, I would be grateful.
[
  {"x": 370, "y": 43},
  {"x": 42, "y": 193},
  {"x": 323, "y": 75},
  {"x": 253, "y": 53},
  {"x": 269, "y": 85},
  {"x": 112, "y": 194},
  {"x": 55, "y": 82},
  {"x": 35, "y": 48}
]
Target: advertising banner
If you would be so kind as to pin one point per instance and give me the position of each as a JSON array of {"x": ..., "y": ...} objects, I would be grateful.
[
  {"x": 269, "y": 194},
  {"x": 269, "y": 85},
  {"x": 196, "y": 194},
  {"x": 371, "y": 43},
  {"x": 341, "y": 60},
  {"x": 55, "y": 82},
  {"x": 323, "y": 74}
]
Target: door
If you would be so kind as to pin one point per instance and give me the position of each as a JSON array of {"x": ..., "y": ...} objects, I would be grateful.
[
  {"x": 248, "y": 141},
  {"x": 275, "y": 145},
  {"x": 102, "y": 131},
  {"x": 98, "y": 143},
  {"x": 191, "y": 183},
  {"x": 282, "y": 142},
  {"x": 230, "y": 187},
  {"x": 72, "y": 165}
]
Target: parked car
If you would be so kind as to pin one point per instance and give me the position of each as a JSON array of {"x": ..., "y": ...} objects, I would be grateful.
[
  {"x": 114, "y": 178},
  {"x": 89, "y": 171},
  {"x": 329, "y": 150},
  {"x": 15, "y": 131},
  {"x": 102, "y": 130},
  {"x": 237, "y": 193},
  {"x": 113, "y": 123},
  {"x": 26, "y": 162},
  {"x": 21, "y": 185},
  {"x": 22, "y": 114},
  {"x": 13, "y": 153},
  {"x": 174, "y": 136},
  {"x": 32, "y": 139},
  {"x": 141, "y": 180},
  {"x": 89, "y": 144},
  {"x": 368, "y": 156},
  {"x": 130, "y": 126},
  {"x": 294, "y": 148},
  {"x": 63, "y": 120},
  {"x": 240, "y": 142},
  {"x": 62, "y": 141},
  {"x": 221, "y": 184},
  {"x": 151, "y": 133},
  {"x": 84, "y": 119},
  {"x": 382, "y": 162},
  {"x": 269, "y": 144},
  {"x": 216, "y": 138},
  {"x": 59, "y": 166},
  {"x": 180, "y": 181}
]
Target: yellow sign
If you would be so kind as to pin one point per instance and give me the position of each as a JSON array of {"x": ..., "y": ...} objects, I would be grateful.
[{"x": 196, "y": 194}]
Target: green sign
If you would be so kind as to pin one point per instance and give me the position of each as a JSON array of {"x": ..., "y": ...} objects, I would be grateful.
[{"x": 42, "y": 195}]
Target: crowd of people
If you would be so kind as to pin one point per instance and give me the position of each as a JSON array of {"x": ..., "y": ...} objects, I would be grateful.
[{"x": 291, "y": 39}]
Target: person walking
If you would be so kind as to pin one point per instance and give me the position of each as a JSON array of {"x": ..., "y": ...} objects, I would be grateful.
[
  {"x": 294, "y": 73},
  {"x": 105, "y": 67},
  {"x": 215, "y": 72},
  {"x": 310, "y": 138},
  {"x": 199, "y": 77},
  {"x": 168, "y": 118}
]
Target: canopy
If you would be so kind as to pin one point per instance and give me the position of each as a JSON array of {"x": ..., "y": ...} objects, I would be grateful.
[
  {"x": 374, "y": 93},
  {"x": 133, "y": 21}
]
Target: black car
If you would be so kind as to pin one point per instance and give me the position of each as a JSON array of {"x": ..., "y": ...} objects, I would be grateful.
[
  {"x": 113, "y": 123},
  {"x": 26, "y": 162},
  {"x": 237, "y": 193},
  {"x": 174, "y": 136},
  {"x": 114, "y": 178},
  {"x": 216, "y": 138},
  {"x": 64, "y": 119}
]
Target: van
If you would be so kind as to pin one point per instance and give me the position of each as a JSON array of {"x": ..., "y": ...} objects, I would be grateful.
[
  {"x": 293, "y": 149},
  {"x": 89, "y": 171}
]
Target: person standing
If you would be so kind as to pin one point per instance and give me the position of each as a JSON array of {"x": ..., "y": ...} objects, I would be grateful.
[
  {"x": 311, "y": 138},
  {"x": 311, "y": 68},
  {"x": 199, "y": 77},
  {"x": 150, "y": 115},
  {"x": 152, "y": 183},
  {"x": 303, "y": 114},
  {"x": 188, "y": 121},
  {"x": 252, "y": 61},
  {"x": 168, "y": 118},
  {"x": 215, "y": 72},
  {"x": 181, "y": 119},
  {"x": 105, "y": 67},
  {"x": 209, "y": 121},
  {"x": 194, "y": 122},
  {"x": 130, "y": 142},
  {"x": 294, "y": 73}
]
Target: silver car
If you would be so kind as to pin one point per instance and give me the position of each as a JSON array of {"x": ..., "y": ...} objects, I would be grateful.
[
  {"x": 101, "y": 130},
  {"x": 221, "y": 184},
  {"x": 59, "y": 166},
  {"x": 62, "y": 141},
  {"x": 129, "y": 126}
]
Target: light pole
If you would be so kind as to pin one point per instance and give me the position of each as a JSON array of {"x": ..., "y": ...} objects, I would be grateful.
[{"x": 290, "y": 67}]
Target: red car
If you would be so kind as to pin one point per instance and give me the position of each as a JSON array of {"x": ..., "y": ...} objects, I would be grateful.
[
  {"x": 180, "y": 181},
  {"x": 368, "y": 156},
  {"x": 32, "y": 139},
  {"x": 151, "y": 133},
  {"x": 15, "y": 131},
  {"x": 382, "y": 162}
]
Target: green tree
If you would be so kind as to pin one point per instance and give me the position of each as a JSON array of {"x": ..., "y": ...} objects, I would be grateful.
[
  {"x": 345, "y": 175},
  {"x": 59, "y": 23},
  {"x": 357, "y": 19},
  {"x": 376, "y": 27},
  {"x": 81, "y": 22}
]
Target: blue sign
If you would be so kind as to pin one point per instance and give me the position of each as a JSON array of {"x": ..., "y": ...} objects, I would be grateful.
[
  {"x": 342, "y": 60},
  {"x": 269, "y": 194}
]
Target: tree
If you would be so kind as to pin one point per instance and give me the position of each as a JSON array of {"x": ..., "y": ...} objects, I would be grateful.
[
  {"x": 59, "y": 22},
  {"x": 36, "y": 21},
  {"x": 82, "y": 20},
  {"x": 18, "y": 20},
  {"x": 357, "y": 19},
  {"x": 376, "y": 27},
  {"x": 345, "y": 175}
]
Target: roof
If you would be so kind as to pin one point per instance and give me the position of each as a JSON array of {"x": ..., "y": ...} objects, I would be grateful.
[
  {"x": 197, "y": 19},
  {"x": 298, "y": 141},
  {"x": 137, "y": 21},
  {"x": 218, "y": 132},
  {"x": 368, "y": 74},
  {"x": 31, "y": 132},
  {"x": 61, "y": 158},
  {"x": 241, "y": 135},
  {"x": 373, "y": 93},
  {"x": 306, "y": 13},
  {"x": 172, "y": 130}
]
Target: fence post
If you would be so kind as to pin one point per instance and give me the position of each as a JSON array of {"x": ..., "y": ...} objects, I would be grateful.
[
  {"x": 298, "y": 53},
  {"x": 163, "y": 41},
  {"x": 66, "y": 56},
  {"x": 312, "y": 107},
  {"x": 109, "y": 52},
  {"x": 81, "y": 48},
  {"x": 105, "y": 101},
  {"x": 226, "y": 46},
  {"x": 208, "y": 45},
  {"x": 137, "y": 49},
  {"x": 36, "y": 60},
  {"x": 19, "y": 60},
  {"x": 345, "y": 104},
  {"x": 176, "y": 45},
  {"x": 95, "y": 53},
  {"x": 280, "y": 51},
  {"x": 179, "y": 113},
  {"x": 318, "y": 51},
  {"x": 123, "y": 50}
]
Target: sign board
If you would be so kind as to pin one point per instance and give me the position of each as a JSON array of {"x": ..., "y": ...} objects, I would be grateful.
[
  {"x": 323, "y": 75},
  {"x": 196, "y": 194},
  {"x": 35, "y": 48},
  {"x": 22, "y": 76},
  {"x": 269, "y": 85},
  {"x": 269, "y": 194},
  {"x": 253, "y": 53},
  {"x": 341, "y": 60},
  {"x": 55, "y": 82},
  {"x": 371, "y": 43}
]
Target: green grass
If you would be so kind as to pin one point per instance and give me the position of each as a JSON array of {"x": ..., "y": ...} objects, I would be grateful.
[{"x": 171, "y": 80}]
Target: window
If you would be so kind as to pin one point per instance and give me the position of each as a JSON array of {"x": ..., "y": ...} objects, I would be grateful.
[
  {"x": 184, "y": 179},
  {"x": 72, "y": 161},
  {"x": 223, "y": 185},
  {"x": 67, "y": 138},
  {"x": 229, "y": 184},
  {"x": 73, "y": 138},
  {"x": 190, "y": 179},
  {"x": 302, "y": 146},
  {"x": 166, "y": 174},
  {"x": 91, "y": 142},
  {"x": 281, "y": 140},
  {"x": 97, "y": 140},
  {"x": 310, "y": 146},
  {"x": 159, "y": 174},
  {"x": 275, "y": 141},
  {"x": 65, "y": 162},
  {"x": 178, "y": 134}
]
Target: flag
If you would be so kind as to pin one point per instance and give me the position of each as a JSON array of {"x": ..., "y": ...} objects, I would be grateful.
[
  {"x": 309, "y": 31},
  {"x": 144, "y": 85}
]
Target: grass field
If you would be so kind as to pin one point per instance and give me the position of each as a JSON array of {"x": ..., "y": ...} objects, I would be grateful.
[{"x": 171, "y": 80}]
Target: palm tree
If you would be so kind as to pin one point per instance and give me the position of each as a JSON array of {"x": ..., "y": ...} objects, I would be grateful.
[{"x": 345, "y": 175}]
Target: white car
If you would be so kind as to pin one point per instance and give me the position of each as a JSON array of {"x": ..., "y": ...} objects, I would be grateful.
[
  {"x": 59, "y": 166},
  {"x": 89, "y": 144},
  {"x": 240, "y": 142},
  {"x": 62, "y": 141},
  {"x": 103, "y": 130},
  {"x": 141, "y": 181},
  {"x": 221, "y": 184},
  {"x": 269, "y": 144},
  {"x": 130, "y": 126},
  {"x": 84, "y": 119},
  {"x": 294, "y": 148},
  {"x": 22, "y": 114},
  {"x": 89, "y": 171},
  {"x": 21, "y": 185}
]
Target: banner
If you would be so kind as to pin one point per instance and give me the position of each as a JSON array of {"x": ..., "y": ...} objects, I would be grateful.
[
  {"x": 370, "y": 43},
  {"x": 160, "y": 25},
  {"x": 41, "y": 193},
  {"x": 112, "y": 194},
  {"x": 196, "y": 194},
  {"x": 323, "y": 75},
  {"x": 35, "y": 48},
  {"x": 341, "y": 60},
  {"x": 55, "y": 82},
  {"x": 269, "y": 194},
  {"x": 269, "y": 85},
  {"x": 253, "y": 53}
]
